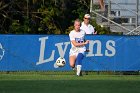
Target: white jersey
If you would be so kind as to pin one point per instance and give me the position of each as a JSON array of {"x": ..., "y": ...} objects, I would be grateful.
[
  {"x": 79, "y": 38},
  {"x": 89, "y": 29}
]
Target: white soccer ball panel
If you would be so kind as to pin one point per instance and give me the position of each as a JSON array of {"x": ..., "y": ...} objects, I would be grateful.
[{"x": 60, "y": 62}]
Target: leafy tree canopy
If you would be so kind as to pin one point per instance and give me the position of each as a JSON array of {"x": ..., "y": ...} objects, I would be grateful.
[{"x": 42, "y": 16}]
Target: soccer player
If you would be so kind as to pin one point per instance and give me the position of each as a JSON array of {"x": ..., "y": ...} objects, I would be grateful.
[{"x": 78, "y": 48}]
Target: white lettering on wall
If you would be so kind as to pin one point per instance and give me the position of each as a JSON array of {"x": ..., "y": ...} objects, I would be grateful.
[
  {"x": 42, "y": 50},
  {"x": 91, "y": 48},
  {"x": 2, "y": 52},
  {"x": 110, "y": 48},
  {"x": 60, "y": 50},
  {"x": 95, "y": 47}
]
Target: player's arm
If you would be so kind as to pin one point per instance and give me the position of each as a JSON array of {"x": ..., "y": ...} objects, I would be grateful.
[
  {"x": 79, "y": 44},
  {"x": 87, "y": 50},
  {"x": 94, "y": 30}
]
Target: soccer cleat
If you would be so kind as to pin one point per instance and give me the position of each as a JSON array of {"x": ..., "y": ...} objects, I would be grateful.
[
  {"x": 80, "y": 74},
  {"x": 74, "y": 68}
]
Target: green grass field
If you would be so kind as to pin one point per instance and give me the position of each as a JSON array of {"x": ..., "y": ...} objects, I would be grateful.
[{"x": 68, "y": 83}]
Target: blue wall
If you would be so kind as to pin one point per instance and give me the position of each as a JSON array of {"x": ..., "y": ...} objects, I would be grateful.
[{"x": 39, "y": 52}]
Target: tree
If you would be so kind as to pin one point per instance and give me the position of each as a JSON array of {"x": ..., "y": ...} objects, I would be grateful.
[{"x": 42, "y": 16}]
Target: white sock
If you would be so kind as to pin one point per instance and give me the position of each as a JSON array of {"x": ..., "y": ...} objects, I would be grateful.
[{"x": 78, "y": 69}]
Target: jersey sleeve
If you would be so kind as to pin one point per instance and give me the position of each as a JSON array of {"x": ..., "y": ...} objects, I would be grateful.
[{"x": 71, "y": 36}]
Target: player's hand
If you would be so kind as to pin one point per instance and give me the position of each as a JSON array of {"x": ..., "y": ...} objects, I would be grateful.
[
  {"x": 87, "y": 41},
  {"x": 87, "y": 50},
  {"x": 95, "y": 33}
]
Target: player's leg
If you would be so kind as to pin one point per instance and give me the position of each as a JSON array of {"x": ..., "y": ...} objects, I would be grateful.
[
  {"x": 79, "y": 59},
  {"x": 72, "y": 60}
]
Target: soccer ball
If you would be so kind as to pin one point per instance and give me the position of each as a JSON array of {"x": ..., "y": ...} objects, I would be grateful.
[{"x": 60, "y": 62}]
